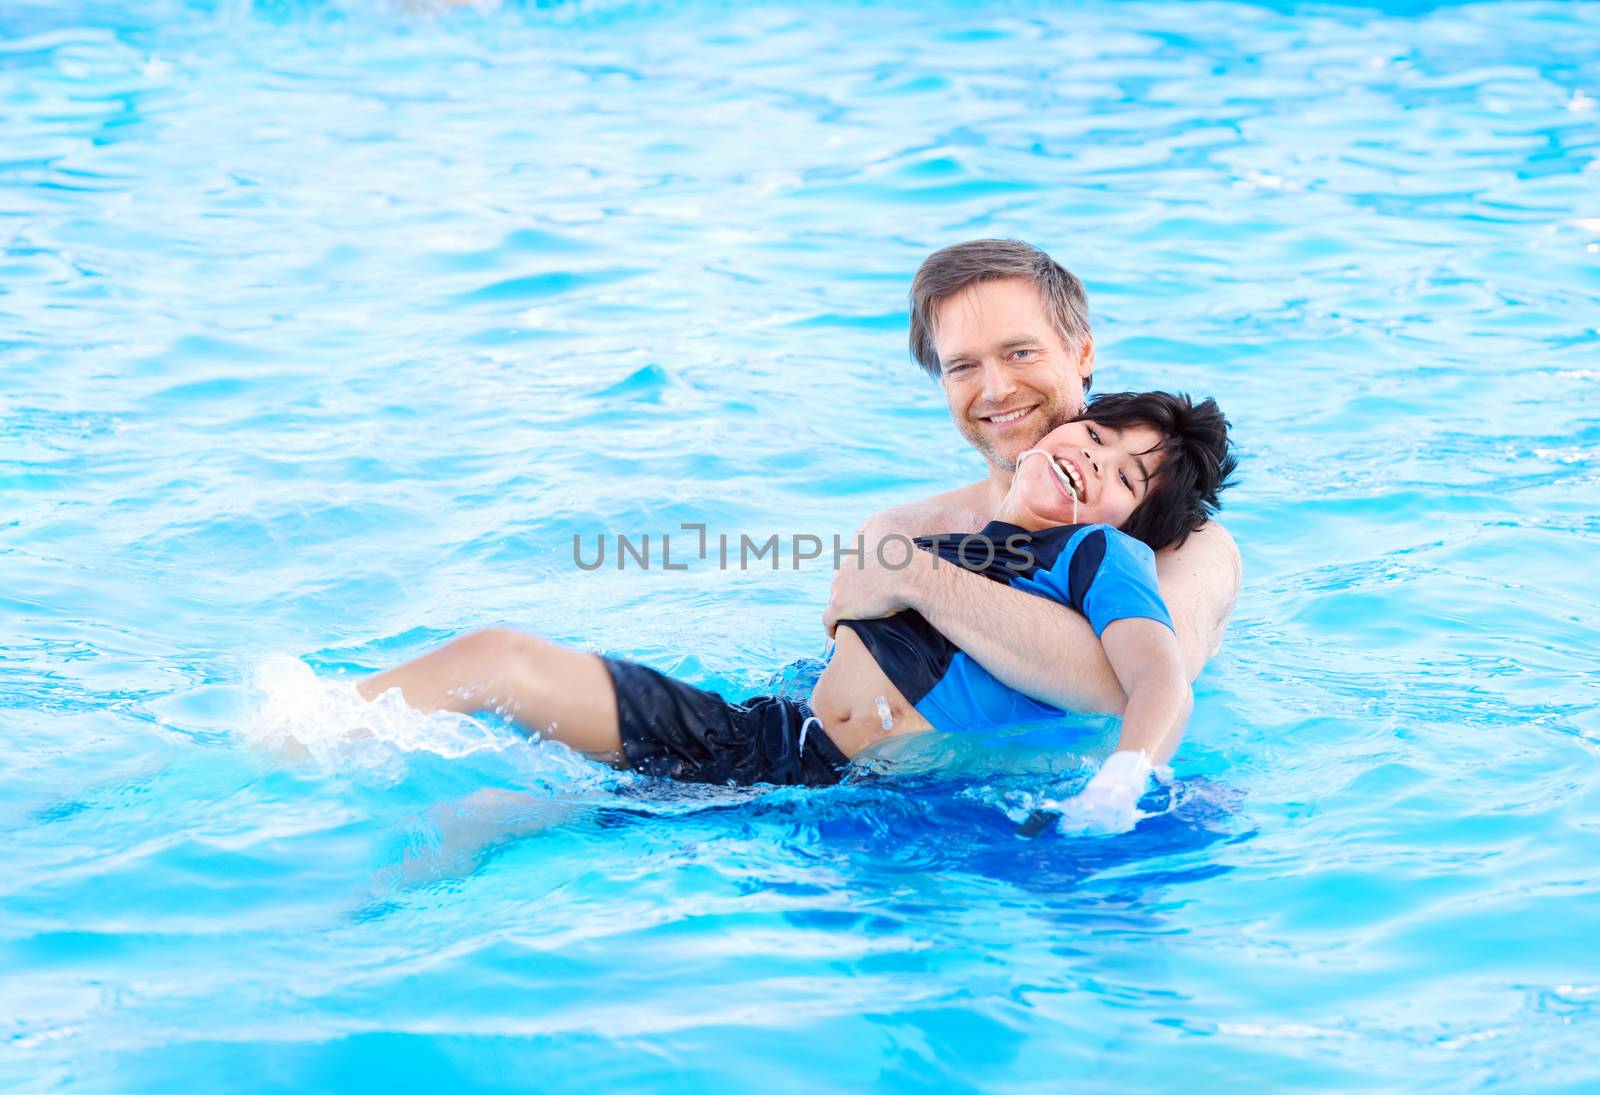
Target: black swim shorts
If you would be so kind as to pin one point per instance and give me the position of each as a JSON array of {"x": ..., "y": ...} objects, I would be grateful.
[{"x": 681, "y": 732}]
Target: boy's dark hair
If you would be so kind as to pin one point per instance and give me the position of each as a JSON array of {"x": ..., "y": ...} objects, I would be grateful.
[{"x": 1196, "y": 460}]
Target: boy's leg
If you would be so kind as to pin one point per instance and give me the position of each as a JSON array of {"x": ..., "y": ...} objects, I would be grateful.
[{"x": 546, "y": 689}]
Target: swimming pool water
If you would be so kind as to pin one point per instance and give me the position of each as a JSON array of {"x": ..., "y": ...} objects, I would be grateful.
[{"x": 325, "y": 327}]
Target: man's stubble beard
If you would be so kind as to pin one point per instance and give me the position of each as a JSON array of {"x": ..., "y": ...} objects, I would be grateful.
[
  {"x": 1056, "y": 413},
  {"x": 986, "y": 448}
]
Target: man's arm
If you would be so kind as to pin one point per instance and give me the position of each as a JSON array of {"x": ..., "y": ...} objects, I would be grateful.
[
  {"x": 1040, "y": 648},
  {"x": 1034, "y": 645}
]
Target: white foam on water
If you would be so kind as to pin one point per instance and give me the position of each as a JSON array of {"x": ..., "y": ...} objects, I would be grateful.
[{"x": 324, "y": 721}]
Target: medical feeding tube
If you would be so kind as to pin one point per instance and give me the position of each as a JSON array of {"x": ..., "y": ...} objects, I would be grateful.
[{"x": 1058, "y": 473}]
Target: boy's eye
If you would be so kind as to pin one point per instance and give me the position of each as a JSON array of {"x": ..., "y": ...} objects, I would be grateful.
[
  {"x": 1093, "y": 436},
  {"x": 1124, "y": 478}
]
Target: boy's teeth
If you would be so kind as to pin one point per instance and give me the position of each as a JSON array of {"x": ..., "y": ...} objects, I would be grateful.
[
  {"x": 1067, "y": 475},
  {"x": 1070, "y": 474}
]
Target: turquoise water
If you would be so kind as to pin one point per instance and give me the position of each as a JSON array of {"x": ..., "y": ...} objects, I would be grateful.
[{"x": 324, "y": 328}]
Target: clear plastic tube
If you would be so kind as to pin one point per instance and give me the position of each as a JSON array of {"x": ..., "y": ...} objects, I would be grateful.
[{"x": 1041, "y": 452}]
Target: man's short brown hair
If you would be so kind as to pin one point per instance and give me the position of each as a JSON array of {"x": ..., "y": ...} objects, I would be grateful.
[{"x": 951, "y": 269}]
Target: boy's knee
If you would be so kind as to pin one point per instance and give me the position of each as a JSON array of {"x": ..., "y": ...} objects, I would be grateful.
[{"x": 501, "y": 645}]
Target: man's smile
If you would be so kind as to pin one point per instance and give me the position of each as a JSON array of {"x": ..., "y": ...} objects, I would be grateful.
[{"x": 1006, "y": 418}]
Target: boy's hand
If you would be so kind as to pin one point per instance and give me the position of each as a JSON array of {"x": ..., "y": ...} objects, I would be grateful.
[{"x": 1108, "y": 805}]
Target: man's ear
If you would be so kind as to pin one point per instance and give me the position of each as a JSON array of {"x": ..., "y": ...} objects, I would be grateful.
[{"x": 1086, "y": 361}]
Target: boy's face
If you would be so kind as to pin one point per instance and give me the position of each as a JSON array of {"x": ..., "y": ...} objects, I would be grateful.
[{"x": 1086, "y": 474}]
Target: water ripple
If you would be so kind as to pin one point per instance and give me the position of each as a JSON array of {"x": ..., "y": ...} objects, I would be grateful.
[{"x": 326, "y": 325}]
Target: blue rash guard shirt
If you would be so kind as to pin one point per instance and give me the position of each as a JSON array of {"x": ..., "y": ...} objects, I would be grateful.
[{"x": 1097, "y": 571}]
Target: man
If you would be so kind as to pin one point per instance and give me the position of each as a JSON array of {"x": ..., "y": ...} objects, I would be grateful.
[{"x": 1005, "y": 331}]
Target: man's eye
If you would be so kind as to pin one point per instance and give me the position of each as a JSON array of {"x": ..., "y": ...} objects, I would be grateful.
[
  {"x": 1021, "y": 354},
  {"x": 960, "y": 368}
]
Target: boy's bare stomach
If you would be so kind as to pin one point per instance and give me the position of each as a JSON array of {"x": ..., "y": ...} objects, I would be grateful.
[{"x": 846, "y": 696}]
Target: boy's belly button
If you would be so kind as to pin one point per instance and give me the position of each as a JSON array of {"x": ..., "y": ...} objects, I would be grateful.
[{"x": 853, "y": 727}]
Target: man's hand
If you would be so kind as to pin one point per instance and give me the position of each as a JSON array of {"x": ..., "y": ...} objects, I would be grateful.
[{"x": 872, "y": 590}]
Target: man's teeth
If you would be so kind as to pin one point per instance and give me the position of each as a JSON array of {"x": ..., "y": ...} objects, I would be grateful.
[{"x": 1008, "y": 417}]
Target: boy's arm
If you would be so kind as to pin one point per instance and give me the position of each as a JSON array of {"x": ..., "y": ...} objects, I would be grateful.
[
  {"x": 1146, "y": 658},
  {"x": 1148, "y": 662}
]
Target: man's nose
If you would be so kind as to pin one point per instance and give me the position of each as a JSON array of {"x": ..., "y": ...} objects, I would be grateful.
[{"x": 998, "y": 383}]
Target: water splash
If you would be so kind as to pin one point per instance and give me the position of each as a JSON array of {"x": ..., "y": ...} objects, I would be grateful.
[{"x": 304, "y": 718}]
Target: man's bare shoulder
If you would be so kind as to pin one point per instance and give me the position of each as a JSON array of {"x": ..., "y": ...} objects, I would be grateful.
[
  {"x": 1200, "y": 581},
  {"x": 959, "y": 510},
  {"x": 1209, "y": 550}
]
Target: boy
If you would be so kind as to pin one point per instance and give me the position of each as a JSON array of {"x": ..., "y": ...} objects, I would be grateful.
[{"x": 1149, "y": 464}]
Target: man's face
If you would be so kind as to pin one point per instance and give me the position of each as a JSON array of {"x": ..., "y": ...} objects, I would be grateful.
[{"x": 1006, "y": 373}]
